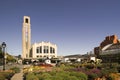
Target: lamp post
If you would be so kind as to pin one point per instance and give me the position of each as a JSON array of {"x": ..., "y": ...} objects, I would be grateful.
[{"x": 3, "y": 46}]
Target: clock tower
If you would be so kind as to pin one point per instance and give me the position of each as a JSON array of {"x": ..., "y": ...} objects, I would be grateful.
[{"x": 26, "y": 37}]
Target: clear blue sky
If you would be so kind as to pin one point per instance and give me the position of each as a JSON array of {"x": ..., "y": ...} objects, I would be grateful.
[{"x": 76, "y": 26}]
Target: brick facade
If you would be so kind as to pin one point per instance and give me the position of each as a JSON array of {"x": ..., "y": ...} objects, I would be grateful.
[{"x": 108, "y": 40}]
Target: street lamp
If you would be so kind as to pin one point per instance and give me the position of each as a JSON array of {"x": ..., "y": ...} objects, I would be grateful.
[{"x": 3, "y": 46}]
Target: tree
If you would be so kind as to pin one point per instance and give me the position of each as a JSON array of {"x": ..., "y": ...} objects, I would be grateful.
[
  {"x": 10, "y": 58},
  {"x": 1, "y": 54}
]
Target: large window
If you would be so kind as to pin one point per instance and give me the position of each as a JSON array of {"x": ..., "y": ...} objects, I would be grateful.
[
  {"x": 46, "y": 49},
  {"x": 37, "y": 50},
  {"x": 52, "y": 50},
  {"x": 40, "y": 49}
]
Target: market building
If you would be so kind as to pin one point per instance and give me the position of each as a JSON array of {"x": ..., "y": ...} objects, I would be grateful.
[{"x": 44, "y": 50}]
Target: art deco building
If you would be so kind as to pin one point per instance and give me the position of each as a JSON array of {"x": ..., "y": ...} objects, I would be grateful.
[
  {"x": 44, "y": 50},
  {"x": 26, "y": 37}
]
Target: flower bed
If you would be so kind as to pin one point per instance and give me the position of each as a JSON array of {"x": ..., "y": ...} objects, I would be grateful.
[
  {"x": 65, "y": 71},
  {"x": 62, "y": 75},
  {"x": 6, "y": 74},
  {"x": 38, "y": 68}
]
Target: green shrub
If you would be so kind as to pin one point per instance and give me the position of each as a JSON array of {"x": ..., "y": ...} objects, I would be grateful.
[
  {"x": 90, "y": 66},
  {"x": 44, "y": 76},
  {"x": 92, "y": 76},
  {"x": 5, "y": 75},
  {"x": 31, "y": 76},
  {"x": 61, "y": 75},
  {"x": 15, "y": 69},
  {"x": 73, "y": 78},
  {"x": 56, "y": 78},
  {"x": 2, "y": 77},
  {"x": 79, "y": 75}
]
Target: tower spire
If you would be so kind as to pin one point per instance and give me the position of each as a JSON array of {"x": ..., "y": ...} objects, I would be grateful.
[{"x": 26, "y": 37}]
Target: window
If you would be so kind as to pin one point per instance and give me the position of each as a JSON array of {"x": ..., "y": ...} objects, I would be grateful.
[
  {"x": 40, "y": 56},
  {"x": 37, "y": 50},
  {"x": 52, "y": 50},
  {"x": 37, "y": 56},
  {"x": 26, "y": 20},
  {"x": 44, "y": 55},
  {"x": 40, "y": 49},
  {"x": 46, "y": 49}
]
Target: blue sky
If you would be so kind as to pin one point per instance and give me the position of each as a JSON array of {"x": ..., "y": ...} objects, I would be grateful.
[{"x": 76, "y": 26}]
